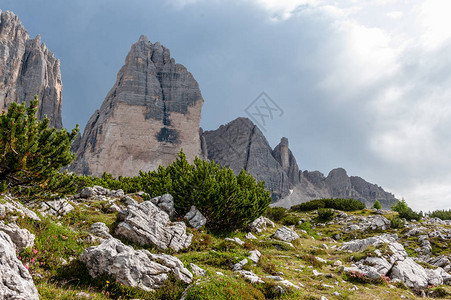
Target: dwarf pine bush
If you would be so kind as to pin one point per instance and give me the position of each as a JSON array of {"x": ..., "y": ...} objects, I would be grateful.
[
  {"x": 32, "y": 153},
  {"x": 340, "y": 204},
  {"x": 228, "y": 201}
]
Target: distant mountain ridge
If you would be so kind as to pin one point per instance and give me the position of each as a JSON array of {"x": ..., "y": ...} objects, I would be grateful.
[{"x": 241, "y": 145}]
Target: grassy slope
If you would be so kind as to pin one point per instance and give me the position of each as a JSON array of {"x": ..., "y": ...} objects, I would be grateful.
[{"x": 58, "y": 274}]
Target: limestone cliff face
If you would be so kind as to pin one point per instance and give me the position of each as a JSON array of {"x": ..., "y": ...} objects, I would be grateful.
[
  {"x": 152, "y": 111},
  {"x": 28, "y": 68},
  {"x": 241, "y": 145}
]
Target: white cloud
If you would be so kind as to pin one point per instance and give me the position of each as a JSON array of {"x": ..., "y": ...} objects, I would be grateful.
[
  {"x": 282, "y": 10},
  {"x": 395, "y": 14},
  {"x": 435, "y": 22}
]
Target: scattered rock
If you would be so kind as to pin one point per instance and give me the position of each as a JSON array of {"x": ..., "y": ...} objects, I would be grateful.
[
  {"x": 254, "y": 256},
  {"x": 57, "y": 208},
  {"x": 240, "y": 265},
  {"x": 235, "y": 240},
  {"x": 96, "y": 190},
  {"x": 16, "y": 282},
  {"x": 101, "y": 230},
  {"x": 260, "y": 224},
  {"x": 250, "y": 236},
  {"x": 285, "y": 234},
  {"x": 82, "y": 296},
  {"x": 12, "y": 206},
  {"x": 21, "y": 238},
  {"x": 316, "y": 273},
  {"x": 290, "y": 284},
  {"x": 198, "y": 271},
  {"x": 250, "y": 276},
  {"x": 135, "y": 268},
  {"x": 129, "y": 201},
  {"x": 338, "y": 263},
  {"x": 146, "y": 224},
  {"x": 166, "y": 203},
  {"x": 117, "y": 193},
  {"x": 195, "y": 218}
]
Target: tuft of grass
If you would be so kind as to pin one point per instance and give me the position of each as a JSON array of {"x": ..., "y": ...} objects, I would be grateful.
[{"x": 224, "y": 287}]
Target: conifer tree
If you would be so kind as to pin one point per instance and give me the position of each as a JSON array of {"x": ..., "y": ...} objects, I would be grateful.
[
  {"x": 377, "y": 205},
  {"x": 31, "y": 153}
]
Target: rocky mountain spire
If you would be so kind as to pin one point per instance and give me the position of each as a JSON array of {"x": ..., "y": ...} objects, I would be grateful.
[
  {"x": 241, "y": 145},
  {"x": 152, "y": 111},
  {"x": 286, "y": 159},
  {"x": 28, "y": 68}
]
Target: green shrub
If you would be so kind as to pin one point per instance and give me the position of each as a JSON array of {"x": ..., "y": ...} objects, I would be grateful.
[
  {"x": 290, "y": 220},
  {"x": 276, "y": 213},
  {"x": 325, "y": 214},
  {"x": 32, "y": 154},
  {"x": 396, "y": 222},
  {"x": 339, "y": 204},
  {"x": 441, "y": 214},
  {"x": 307, "y": 226},
  {"x": 404, "y": 211},
  {"x": 228, "y": 202},
  {"x": 377, "y": 205}
]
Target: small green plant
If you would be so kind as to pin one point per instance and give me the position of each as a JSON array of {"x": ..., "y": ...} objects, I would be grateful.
[
  {"x": 377, "y": 205},
  {"x": 404, "y": 211},
  {"x": 290, "y": 220},
  {"x": 267, "y": 265},
  {"x": 311, "y": 260},
  {"x": 307, "y": 226},
  {"x": 439, "y": 292},
  {"x": 325, "y": 214},
  {"x": 396, "y": 222},
  {"x": 276, "y": 213}
]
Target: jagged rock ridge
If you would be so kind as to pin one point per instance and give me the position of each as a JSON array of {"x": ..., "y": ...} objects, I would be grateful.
[
  {"x": 337, "y": 184},
  {"x": 241, "y": 145},
  {"x": 28, "y": 68},
  {"x": 152, "y": 111}
]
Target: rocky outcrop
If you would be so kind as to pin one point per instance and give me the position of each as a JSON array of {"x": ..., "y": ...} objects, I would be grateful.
[
  {"x": 147, "y": 224},
  {"x": 241, "y": 145},
  {"x": 21, "y": 237},
  {"x": 285, "y": 234},
  {"x": 195, "y": 218},
  {"x": 16, "y": 282},
  {"x": 259, "y": 224},
  {"x": 135, "y": 268},
  {"x": 28, "y": 68},
  {"x": 152, "y": 111},
  {"x": 314, "y": 185},
  {"x": 394, "y": 263},
  {"x": 286, "y": 159}
]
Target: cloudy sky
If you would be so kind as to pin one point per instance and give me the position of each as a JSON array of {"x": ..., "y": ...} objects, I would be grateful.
[{"x": 364, "y": 85}]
